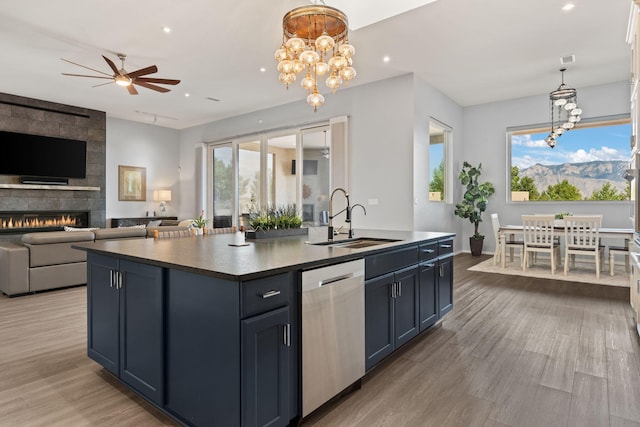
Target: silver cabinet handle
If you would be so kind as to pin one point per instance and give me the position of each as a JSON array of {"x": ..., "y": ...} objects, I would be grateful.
[
  {"x": 393, "y": 290},
  {"x": 428, "y": 251},
  {"x": 442, "y": 271},
  {"x": 111, "y": 281},
  {"x": 446, "y": 246},
  {"x": 270, "y": 294},
  {"x": 286, "y": 335},
  {"x": 119, "y": 279},
  {"x": 399, "y": 288}
]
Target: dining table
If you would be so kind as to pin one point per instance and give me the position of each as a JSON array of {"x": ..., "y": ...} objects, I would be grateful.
[{"x": 604, "y": 232}]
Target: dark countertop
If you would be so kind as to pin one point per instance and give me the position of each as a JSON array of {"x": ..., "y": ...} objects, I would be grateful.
[{"x": 212, "y": 255}]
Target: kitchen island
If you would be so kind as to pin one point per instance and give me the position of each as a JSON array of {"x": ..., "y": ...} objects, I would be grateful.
[{"x": 209, "y": 329}]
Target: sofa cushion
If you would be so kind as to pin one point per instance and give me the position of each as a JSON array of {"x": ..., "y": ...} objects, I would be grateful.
[
  {"x": 54, "y": 247},
  {"x": 120, "y": 233},
  {"x": 48, "y": 237}
]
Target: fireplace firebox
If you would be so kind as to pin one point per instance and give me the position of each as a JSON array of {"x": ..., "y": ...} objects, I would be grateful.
[{"x": 31, "y": 221}]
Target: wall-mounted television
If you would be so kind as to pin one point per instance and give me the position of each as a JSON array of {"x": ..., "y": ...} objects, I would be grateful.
[{"x": 42, "y": 156}]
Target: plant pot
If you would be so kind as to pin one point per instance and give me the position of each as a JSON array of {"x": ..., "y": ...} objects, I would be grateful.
[
  {"x": 476, "y": 246},
  {"x": 266, "y": 234}
]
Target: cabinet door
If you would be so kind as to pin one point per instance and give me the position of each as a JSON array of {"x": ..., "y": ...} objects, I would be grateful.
[
  {"x": 142, "y": 329},
  {"x": 203, "y": 349},
  {"x": 406, "y": 318},
  {"x": 102, "y": 312},
  {"x": 428, "y": 307},
  {"x": 378, "y": 315},
  {"x": 445, "y": 285},
  {"x": 265, "y": 369}
]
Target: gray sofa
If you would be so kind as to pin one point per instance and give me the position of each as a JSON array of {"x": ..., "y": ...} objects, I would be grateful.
[{"x": 46, "y": 260}]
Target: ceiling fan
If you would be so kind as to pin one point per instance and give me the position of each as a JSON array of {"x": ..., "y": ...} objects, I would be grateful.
[{"x": 127, "y": 79}]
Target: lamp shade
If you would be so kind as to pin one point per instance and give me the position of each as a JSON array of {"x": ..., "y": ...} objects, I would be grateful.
[{"x": 162, "y": 195}]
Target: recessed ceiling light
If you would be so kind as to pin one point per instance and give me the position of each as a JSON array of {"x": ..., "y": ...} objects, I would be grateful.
[
  {"x": 166, "y": 29},
  {"x": 386, "y": 58},
  {"x": 567, "y": 7},
  {"x": 263, "y": 70},
  {"x": 187, "y": 94}
]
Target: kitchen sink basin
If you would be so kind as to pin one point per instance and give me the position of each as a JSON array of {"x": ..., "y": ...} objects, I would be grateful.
[{"x": 361, "y": 242}]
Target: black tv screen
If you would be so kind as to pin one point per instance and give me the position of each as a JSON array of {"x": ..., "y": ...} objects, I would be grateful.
[{"x": 42, "y": 156}]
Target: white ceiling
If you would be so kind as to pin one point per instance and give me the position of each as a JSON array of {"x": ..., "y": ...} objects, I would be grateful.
[{"x": 473, "y": 51}]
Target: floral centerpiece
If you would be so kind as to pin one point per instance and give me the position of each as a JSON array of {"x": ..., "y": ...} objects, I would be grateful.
[
  {"x": 200, "y": 223},
  {"x": 274, "y": 222}
]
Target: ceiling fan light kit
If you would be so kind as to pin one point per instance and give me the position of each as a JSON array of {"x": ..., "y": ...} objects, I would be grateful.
[
  {"x": 125, "y": 79},
  {"x": 315, "y": 41}
]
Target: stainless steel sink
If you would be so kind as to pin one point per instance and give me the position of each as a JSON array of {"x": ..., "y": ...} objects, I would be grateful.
[{"x": 361, "y": 242}]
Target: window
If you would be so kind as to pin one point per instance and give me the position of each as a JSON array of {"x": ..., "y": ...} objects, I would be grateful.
[
  {"x": 588, "y": 163},
  {"x": 290, "y": 167},
  {"x": 439, "y": 140}
]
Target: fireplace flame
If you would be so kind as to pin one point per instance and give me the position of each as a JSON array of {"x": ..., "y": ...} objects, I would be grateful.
[{"x": 38, "y": 222}]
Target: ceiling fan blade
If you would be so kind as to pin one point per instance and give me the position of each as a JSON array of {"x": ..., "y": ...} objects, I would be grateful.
[
  {"x": 132, "y": 90},
  {"x": 155, "y": 80},
  {"x": 112, "y": 65},
  {"x": 141, "y": 72},
  {"x": 104, "y": 84},
  {"x": 88, "y": 68},
  {"x": 150, "y": 86},
  {"x": 84, "y": 75}
]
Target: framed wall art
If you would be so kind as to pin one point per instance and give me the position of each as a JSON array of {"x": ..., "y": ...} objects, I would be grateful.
[{"x": 132, "y": 183}]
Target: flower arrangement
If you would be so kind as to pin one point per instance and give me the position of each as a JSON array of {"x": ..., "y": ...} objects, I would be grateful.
[
  {"x": 561, "y": 215},
  {"x": 200, "y": 222},
  {"x": 274, "y": 218}
]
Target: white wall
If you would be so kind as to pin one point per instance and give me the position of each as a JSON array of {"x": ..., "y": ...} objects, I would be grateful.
[
  {"x": 484, "y": 129},
  {"x": 388, "y": 133},
  {"x": 153, "y": 147},
  {"x": 429, "y": 102},
  {"x": 381, "y": 146}
]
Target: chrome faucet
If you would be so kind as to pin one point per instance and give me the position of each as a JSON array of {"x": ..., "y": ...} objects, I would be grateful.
[
  {"x": 331, "y": 215},
  {"x": 350, "y": 216}
]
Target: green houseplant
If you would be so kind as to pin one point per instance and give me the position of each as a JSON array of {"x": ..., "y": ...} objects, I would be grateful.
[
  {"x": 274, "y": 222},
  {"x": 474, "y": 202}
]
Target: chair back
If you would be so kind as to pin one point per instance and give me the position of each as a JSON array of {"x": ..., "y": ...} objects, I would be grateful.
[
  {"x": 495, "y": 222},
  {"x": 582, "y": 231},
  {"x": 158, "y": 234},
  {"x": 538, "y": 230}
]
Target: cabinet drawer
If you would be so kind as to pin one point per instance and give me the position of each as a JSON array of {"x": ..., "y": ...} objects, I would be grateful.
[
  {"x": 375, "y": 265},
  {"x": 428, "y": 251},
  {"x": 262, "y": 295},
  {"x": 445, "y": 247}
]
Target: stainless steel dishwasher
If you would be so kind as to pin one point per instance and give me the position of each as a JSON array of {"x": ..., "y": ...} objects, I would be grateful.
[{"x": 332, "y": 331}]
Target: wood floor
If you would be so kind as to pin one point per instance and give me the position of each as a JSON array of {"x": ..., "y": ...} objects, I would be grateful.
[{"x": 514, "y": 351}]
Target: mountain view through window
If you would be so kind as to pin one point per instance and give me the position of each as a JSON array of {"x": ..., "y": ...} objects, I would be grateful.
[{"x": 588, "y": 163}]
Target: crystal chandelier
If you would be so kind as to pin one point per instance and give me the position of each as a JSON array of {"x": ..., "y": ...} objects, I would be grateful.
[
  {"x": 564, "y": 111},
  {"x": 315, "y": 42}
]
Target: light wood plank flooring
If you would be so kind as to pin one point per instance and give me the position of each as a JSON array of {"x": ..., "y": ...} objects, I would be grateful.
[{"x": 514, "y": 351}]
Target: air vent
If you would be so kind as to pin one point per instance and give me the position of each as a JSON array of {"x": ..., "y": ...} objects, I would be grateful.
[
  {"x": 569, "y": 59},
  {"x": 212, "y": 99}
]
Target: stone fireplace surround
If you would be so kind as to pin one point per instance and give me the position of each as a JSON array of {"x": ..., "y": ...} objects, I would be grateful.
[{"x": 32, "y": 116}]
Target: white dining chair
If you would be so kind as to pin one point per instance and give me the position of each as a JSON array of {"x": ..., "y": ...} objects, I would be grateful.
[
  {"x": 582, "y": 238},
  {"x": 503, "y": 242},
  {"x": 539, "y": 237}
]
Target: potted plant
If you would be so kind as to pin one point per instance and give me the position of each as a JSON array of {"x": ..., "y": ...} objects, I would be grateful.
[
  {"x": 474, "y": 202},
  {"x": 200, "y": 223},
  {"x": 274, "y": 222}
]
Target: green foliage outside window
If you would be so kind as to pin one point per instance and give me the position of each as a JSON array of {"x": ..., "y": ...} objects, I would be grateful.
[{"x": 437, "y": 180}]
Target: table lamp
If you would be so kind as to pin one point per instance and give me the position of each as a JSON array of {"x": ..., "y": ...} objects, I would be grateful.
[{"x": 162, "y": 196}]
